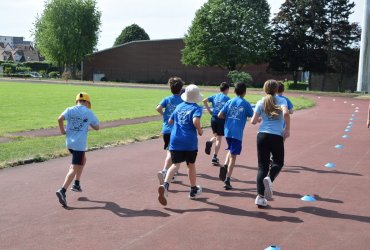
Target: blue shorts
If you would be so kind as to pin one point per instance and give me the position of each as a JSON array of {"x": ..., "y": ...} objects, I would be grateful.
[
  {"x": 234, "y": 145},
  {"x": 218, "y": 125}
]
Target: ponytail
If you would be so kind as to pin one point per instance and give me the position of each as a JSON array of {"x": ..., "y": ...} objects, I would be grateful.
[{"x": 269, "y": 106}]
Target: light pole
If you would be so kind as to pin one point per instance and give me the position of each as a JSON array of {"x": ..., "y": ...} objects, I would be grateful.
[{"x": 363, "y": 82}]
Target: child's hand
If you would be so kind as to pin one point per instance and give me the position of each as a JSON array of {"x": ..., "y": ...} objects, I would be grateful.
[
  {"x": 200, "y": 132},
  {"x": 63, "y": 132},
  {"x": 259, "y": 119},
  {"x": 286, "y": 134}
]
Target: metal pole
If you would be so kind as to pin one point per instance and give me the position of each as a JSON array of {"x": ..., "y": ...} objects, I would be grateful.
[{"x": 363, "y": 83}]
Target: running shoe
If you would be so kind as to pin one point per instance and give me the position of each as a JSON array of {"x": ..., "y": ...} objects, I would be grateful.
[
  {"x": 268, "y": 188},
  {"x": 208, "y": 147},
  {"x": 260, "y": 201},
  {"x": 76, "y": 188},
  {"x": 162, "y": 195},
  {"x": 161, "y": 176},
  {"x": 194, "y": 192},
  {"x": 215, "y": 161},
  {"x": 62, "y": 197},
  {"x": 227, "y": 185},
  {"x": 223, "y": 172}
]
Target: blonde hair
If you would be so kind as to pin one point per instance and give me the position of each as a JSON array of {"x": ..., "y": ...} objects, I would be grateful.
[{"x": 269, "y": 106}]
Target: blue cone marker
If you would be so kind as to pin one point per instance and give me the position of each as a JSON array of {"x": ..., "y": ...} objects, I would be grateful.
[
  {"x": 353, "y": 114},
  {"x": 352, "y": 119},
  {"x": 348, "y": 130},
  {"x": 330, "y": 165},
  {"x": 350, "y": 123},
  {"x": 273, "y": 248},
  {"x": 348, "y": 127},
  {"x": 308, "y": 198},
  {"x": 345, "y": 136},
  {"x": 339, "y": 146}
]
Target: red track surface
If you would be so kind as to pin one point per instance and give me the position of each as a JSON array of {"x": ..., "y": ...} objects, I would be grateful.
[{"x": 118, "y": 208}]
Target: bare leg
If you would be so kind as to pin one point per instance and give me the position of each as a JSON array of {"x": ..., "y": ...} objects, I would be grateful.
[
  {"x": 227, "y": 159},
  {"x": 192, "y": 174},
  {"x": 167, "y": 161},
  {"x": 218, "y": 144},
  {"x": 231, "y": 165},
  {"x": 73, "y": 169},
  {"x": 171, "y": 172}
]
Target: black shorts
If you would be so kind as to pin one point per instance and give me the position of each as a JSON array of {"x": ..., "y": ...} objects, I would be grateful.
[
  {"x": 77, "y": 157},
  {"x": 218, "y": 125},
  {"x": 181, "y": 156},
  {"x": 166, "y": 139}
]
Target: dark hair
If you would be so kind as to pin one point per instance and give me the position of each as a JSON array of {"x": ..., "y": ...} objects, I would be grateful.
[
  {"x": 281, "y": 87},
  {"x": 224, "y": 86},
  {"x": 240, "y": 88},
  {"x": 176, "y": 85}
]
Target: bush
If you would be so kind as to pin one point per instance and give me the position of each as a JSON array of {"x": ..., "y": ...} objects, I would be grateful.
[
  {"x": 237, "y": 76},
  {"x": 66, "y": 75},
  {"x": 54, "y": 74},
  {"x": 290, "y": 85},
  {"x": 23, "y": 69},
  {"x": 37, "y": 66}
]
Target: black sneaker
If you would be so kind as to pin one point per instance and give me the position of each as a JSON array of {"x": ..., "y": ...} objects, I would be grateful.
[
  {"x": 223, "y": 172},
  {"x": 208, "y": 147},
  {"x": 194, "y": 192},
  {"x": 227, "y": 185},
  {"x": 215, "y": 161},
  {"x": 62, "y": 197},
  {"x": 76, "y": 188}
]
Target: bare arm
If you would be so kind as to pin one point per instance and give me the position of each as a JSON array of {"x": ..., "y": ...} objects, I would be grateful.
[
  {"x": 205, "y": 102},
  {"x": 170, "y": 121},
  {"x": 256, "y": 118},
  {"x": 61, "y": 124},
  {"x": 291, "y": 111},
  {"x": 160, "y": 109},
  {"x": 221, "y": 115},
  {"x": 95, "y": 127},
  {"x": 196, "y": 122},
  {"x": 287, "y": 122}
]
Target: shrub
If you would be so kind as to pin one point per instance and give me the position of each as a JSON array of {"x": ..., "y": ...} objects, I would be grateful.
[
  {"x": 66, "y": 75},
  {"x": 290, "y": 85},
  {"x": 237, "y": 76},
  {"x": 54, "y": 74},
  {"x": 22, "y": 69}
]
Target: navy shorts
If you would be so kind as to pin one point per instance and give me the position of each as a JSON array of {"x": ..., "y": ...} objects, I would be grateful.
[
  {"x": 234, "y": 145},
  {"x": 166, "y": 140},
  {"x": 218, "y": 125},
  {"x": 77, "y": 157},
  {"x": 181, "y": 156}
]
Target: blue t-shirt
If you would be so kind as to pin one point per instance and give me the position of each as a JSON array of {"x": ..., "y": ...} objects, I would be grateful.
[
  {"x": 218, "y": 101},
  {"x": 269, "y": 124},
  {"x": 236, "y": 112},
  {"x": 184, "y": 134},
  {"x": 289, "y": 103},
  {"x": 78, "y": 118},
  {"x": 169, "y": 104}
]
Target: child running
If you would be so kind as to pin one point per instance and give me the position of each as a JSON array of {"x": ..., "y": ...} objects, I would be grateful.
[
  {"x": 235, "y": 112},
  {"x": 184, "y": 141},
  {"x": 169, "y": 104},
  {"x": 79, "y": 118},
  {"x": 281, "y": 89},
  {"x": 217, "y": 124},
  {"x": 274, "y": 112}
]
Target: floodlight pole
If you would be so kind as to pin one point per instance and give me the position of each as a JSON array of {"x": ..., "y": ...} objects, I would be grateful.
[{"x": 363, "y": 82}]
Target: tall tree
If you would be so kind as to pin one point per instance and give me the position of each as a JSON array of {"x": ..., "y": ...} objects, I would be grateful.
[
  {"x": 67, "y": 30},
  {"x": 131, "y": 33},
  {"x": 229, "y": 34}
]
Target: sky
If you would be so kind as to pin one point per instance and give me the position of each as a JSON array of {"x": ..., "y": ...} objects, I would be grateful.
[{"x": 161, "y": 19}]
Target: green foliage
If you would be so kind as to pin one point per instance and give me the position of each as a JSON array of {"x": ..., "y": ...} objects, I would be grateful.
[
  {"x": 131, "y": 33},
  {"x": 290, "y": 85},
  {"x": 67, "y": 30},
  {"x": 237, "y": 76},
  {"x": 66, "y": 75},
  {"x": 54, "y": 74},
  {"x": 8, "y": 70},
  {"x": 37, "y": 66},
  {"x": 229, "y": 34},
  {"x": 23, "y": 69}
]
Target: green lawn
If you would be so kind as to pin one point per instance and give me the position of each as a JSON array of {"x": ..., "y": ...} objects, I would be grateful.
[{"x": 26, "y": 106}]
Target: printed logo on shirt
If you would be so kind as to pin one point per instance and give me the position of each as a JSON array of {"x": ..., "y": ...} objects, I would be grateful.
[
  {"x": 170, "y": 107},
  {"x": 219, "y": 105},
  {"x": 182, "y": 117},
  {"x": 78, "y": 123},
  {"x": 235, "y": 112}
]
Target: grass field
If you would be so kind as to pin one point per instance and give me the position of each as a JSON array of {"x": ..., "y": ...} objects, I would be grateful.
[{"x": 25, "y": 106}]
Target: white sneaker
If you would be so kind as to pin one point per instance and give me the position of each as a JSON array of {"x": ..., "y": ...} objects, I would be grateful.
[
  {"x": 161, "y": 176},
  {"x": 194, "y": 193},
  {"x": 162, "y": 195},
  {"x": 260, "y": 201},
  {"x": 268, "y": 188}
]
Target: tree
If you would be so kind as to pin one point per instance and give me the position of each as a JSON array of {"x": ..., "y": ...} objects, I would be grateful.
[
  {"x": 67, "y": 30},
  {"x": 131, "y": 33},
  {"x": 228, "y": 34}
]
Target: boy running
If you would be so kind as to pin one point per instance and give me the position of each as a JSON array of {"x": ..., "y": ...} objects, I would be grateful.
[
  {"x": 169, "y": 104},
  {"x": 184, "y": 141},
  {"x": 217, "y": 124},
  {"x": 79, "y": 118},
  {"x": 235, "y": 112},
  {"x": 281, "y": 89}
]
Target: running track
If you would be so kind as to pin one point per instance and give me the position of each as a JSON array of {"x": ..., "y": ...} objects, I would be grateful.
[{"x": 119, "y": 209}]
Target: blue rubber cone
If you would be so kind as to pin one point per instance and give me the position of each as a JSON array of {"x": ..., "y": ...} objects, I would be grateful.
[
  {"x": 339, "y": 146},
  {"x": 351, "y": 123},
  {"x": 308, "y": 198},
  {"x": 330, "y": 165},
  {"x": 352, "y": 119},
  {"x": 348, "y": 127},
  {"x": 347, "y": 130},
  {"x": 345, "y": 136},
  {"x": 273, "y": 248}
]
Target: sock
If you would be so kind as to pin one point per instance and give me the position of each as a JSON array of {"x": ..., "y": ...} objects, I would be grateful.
[
  {"x": 195, "y": 187},
  {"x": 77, "y": 182},
  {"x": 166, "y": 185},
  {"x": 227, "y": 179},
  {"x": 214, "y": 156},
  {"x": 63, "y": 190}
]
